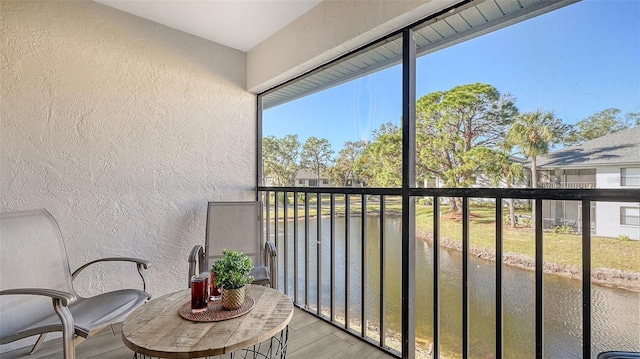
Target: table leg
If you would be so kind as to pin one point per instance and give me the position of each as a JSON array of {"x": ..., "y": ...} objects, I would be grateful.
[{"x": 275, "y": 348}]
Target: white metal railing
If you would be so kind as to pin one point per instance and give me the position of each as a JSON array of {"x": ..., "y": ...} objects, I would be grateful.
[{"x": 567, "y": 185}]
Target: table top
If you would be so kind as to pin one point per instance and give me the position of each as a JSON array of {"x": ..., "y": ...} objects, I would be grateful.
[{"x": 156, "y": 329}]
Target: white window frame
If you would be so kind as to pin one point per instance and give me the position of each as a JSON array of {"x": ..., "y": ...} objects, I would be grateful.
[
  {"x": 624, "y": 217},
  {"x": 631, "y": 179}
]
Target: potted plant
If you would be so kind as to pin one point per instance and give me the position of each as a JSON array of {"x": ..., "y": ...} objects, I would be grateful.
[{"x": 231, "y": 274}]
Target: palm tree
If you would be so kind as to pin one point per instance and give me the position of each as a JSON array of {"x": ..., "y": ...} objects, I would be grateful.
[
  {"x": 533, "y": 133},
  {"x": 502, "y": 168}
]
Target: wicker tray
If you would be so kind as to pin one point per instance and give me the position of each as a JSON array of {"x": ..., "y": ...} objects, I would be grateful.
[{"x": 215, "y": 312}]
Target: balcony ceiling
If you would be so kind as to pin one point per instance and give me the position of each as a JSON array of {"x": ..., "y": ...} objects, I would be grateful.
[
  {"x": 464, "y": 23},
  {"x": 237, "y": 24}
]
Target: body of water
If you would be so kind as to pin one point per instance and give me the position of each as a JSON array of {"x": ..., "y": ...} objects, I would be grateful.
[{"x": 615, "y": 312}]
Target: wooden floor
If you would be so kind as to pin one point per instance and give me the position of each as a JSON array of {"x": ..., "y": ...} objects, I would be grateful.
[{"x": 309, "y": 338}]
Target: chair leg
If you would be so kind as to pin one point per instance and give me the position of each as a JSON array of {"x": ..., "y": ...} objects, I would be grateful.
[
  {"x": 38, "y": 343},
  {"x": 68, "y": 347}
]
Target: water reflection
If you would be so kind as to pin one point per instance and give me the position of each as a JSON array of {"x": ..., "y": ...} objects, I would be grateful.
[{"x": 615, "y": 318}]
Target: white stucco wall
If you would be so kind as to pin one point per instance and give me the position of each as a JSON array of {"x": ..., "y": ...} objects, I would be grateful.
[
  {"x": 123, "y": 129},
  {"x": 608, "y": 177},
  {"x": 327, "y": 31},
  {"x": 608, "y": 220},
  {"x": 608, "y": 213}
]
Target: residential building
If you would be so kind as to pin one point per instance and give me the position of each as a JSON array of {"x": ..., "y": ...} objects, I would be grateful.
[
  {"x": 611, "y": 161},
  {"x": 306, "y": 178}
]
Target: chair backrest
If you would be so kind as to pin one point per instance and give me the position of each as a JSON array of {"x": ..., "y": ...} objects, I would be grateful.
[
  {"x": 234, "y": 226},
  {"x": 32, "y": 255}
]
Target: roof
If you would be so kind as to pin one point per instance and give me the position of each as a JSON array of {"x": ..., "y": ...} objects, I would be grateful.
[
  {"x": 618, "y": 148},
  {"x": 306, "y": 174},
  {"x": 517, "y": 159}
]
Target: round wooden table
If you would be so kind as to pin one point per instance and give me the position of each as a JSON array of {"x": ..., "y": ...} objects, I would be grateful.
[{"x": 157, "y": 330}]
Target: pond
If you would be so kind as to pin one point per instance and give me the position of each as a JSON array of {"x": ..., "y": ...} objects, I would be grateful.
[{"x": 615, "y": 312}]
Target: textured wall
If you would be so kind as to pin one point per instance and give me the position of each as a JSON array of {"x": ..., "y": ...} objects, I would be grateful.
[{"x": 123, "y": 129}]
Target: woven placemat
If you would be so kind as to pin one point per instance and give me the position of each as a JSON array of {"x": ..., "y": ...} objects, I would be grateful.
[{"x": 215, "y": 312}]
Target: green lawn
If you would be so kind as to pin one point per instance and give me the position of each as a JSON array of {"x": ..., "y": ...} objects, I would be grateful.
[{"x": 558, "y": 248}]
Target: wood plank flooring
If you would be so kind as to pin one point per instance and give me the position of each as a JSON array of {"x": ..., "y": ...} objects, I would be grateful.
[{"x": 309, "y": 338}]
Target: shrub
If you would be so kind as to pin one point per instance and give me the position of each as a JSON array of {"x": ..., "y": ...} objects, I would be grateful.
[
  {"x": 525, "y": 221},
  {"x": 524, "y": 207},
  {"x": 424, "y": 201},
  {"x": 564, "y": 229},
  {"x": 623, "y": 237}
]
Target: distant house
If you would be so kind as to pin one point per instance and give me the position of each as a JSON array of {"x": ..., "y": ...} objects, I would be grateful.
[
  {"x": 611, "y": 161},
  {"x": 306, "y": 178}
]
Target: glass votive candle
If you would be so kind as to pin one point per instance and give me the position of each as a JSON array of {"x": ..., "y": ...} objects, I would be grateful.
[
  {"x": 214, "y": 291},
  {"x": 199, "y": 292}
]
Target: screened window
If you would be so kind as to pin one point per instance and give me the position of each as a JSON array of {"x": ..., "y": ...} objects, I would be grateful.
[
  {"x": 630, "y": 177},
  {"x": 342, "y": 120},
  {"x": 630, "y": 216}
]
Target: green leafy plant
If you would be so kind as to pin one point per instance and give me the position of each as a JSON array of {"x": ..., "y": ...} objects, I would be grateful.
[
  {"x": 564, "y": 229},
  {"x": 623, "y": 237},
  {"x": 232, "y": 270}
]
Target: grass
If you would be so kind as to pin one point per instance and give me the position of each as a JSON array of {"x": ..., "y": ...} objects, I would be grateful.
[
  {"x": 560, "y": 248},
  {"x": 557, "y": 247}
]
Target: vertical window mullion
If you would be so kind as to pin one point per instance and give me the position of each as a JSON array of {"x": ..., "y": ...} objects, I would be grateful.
[{"x": 408, "y": 202}]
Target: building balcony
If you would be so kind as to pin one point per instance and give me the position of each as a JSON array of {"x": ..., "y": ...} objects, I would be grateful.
[
  {"x": 567, "y": 185},
  {"x": 309, "y": 337},
  {"x": 406, "y": 286},
  {"x": 483, "y": 307}
]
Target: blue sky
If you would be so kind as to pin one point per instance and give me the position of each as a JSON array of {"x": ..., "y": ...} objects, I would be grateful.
[{"x": 574, "y": 61}]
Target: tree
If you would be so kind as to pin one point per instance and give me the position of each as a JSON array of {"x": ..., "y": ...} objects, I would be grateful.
[
  {"x": 633, "y": 118},
  {"x": 455, "y": 127},
  {"x": 344, "y": 167},
  {"x": 599, "y": 124},
  {"x": 281, "y": 158},
  {"x": 380, "y": 164},
  {"x": 534, "y": 132},
  {"x": 316, "y": 155},
  {"x": 502, "y": 169}
]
